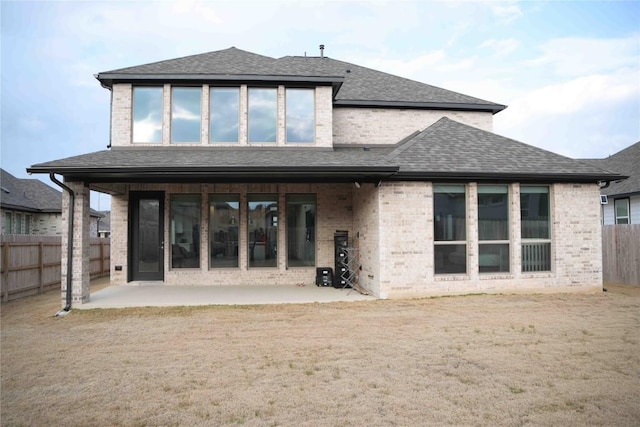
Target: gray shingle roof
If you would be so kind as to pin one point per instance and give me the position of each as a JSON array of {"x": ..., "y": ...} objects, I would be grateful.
[
  {"x": 450, "y": 147},
  {"x": 445, "y": 150},
  {"x": 625, "y": 162},
  {"x": 29, "y": 194},
  {"x": 359, "y": 85}
]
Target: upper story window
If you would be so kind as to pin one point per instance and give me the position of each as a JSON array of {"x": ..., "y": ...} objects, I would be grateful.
[
  {"x": 300, "y": 116},
  {"x": 224, "y": 110},
  {"x": 263, "y": 113},
  {"x": 185, "y": 114},
  {"x": 147, "y": 114}
]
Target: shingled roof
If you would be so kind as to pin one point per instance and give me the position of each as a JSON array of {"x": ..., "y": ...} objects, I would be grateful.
[
  {"x": 450, "y": 148},
  {"x": 447, "y": 150},
  {"x": 353, "y": 85},
  {"x": 30, "y": 195},
  {"x": 624, "y": 162}
]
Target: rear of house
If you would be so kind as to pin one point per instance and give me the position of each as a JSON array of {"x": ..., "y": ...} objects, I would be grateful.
[{"x": 231, "y": 168}]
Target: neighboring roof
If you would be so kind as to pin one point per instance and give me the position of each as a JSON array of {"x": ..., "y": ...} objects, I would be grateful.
[
  {"x": 353, "y": 85},
  {"x": 624, "y": 162},
  {"x": 30, "y": 195},
  {"x": 105, "y": 221},
  {"x": 447, "y": 150}
]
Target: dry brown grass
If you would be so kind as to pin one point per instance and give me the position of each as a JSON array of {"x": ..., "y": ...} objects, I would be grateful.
[{"x": 472, "y": 360}]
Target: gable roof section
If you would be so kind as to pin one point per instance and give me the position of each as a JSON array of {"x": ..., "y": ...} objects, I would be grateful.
[
  {"x": 447, "y": 150},
  {"x": 353, "y": 85},
  {"x": 625, "y": 162}
]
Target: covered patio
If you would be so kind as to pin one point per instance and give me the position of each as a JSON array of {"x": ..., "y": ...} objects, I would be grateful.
[{"x": 157, "y": 295}]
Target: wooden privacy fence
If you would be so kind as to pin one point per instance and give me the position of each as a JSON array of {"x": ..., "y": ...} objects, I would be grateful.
[
  {"x": 32, "y": 264},
  {"x": 621, "y": 254}
]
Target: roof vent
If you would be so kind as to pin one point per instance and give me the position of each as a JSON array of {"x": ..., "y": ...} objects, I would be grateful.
[
  {"x": 348, "y": 70},
  {"x": 366, "y": 148},
  {"x": 321, "y": 51},
  {"x": 5, "y": 190}
]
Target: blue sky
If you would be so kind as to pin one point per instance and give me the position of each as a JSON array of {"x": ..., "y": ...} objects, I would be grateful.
[{"x": 568, "y": 71}]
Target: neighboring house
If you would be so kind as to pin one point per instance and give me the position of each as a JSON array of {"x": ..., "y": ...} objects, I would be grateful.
[
  {"x": 232, "y": 168},
  {"x": 104, "y": 224},
  {"x": 621, "y": 199},
  {"x": 29, "y": 206}
]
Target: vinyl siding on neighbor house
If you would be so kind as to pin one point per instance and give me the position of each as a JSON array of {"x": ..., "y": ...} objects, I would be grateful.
[{"x": 608, "y": 211}]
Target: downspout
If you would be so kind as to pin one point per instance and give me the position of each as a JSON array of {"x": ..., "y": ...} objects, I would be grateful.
[{"x": 72, "y": 199}]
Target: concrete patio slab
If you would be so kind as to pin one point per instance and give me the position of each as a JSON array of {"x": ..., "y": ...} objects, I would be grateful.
[{"x": 142, "y": 295}]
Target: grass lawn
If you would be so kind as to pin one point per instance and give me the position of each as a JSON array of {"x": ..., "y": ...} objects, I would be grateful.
[{"x": 470, "y": 360}]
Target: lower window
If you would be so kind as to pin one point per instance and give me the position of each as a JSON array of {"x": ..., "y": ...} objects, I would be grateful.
[
  {"x": 535, "y": 228},
  {"x": 301, "y": 230},
  {"x": 185, "y": 231},
  {"x": 263, "y": 230},
  {"x": 450, "y": 235},
  {"x": 224, "y": 212}
]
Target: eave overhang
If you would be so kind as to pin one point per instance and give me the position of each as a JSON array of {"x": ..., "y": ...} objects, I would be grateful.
[
  {"x": 221, "y": 174},
  {"x": 108, "y": 79},
  {"x": 504, "y": 177},
  {"x": 454, "y": 106}
]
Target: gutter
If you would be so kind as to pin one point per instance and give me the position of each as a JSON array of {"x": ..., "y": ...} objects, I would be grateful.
[{"x": 72, "y": 199}]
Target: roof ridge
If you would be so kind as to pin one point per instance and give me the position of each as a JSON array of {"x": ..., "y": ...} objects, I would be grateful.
[
  {"x": 410, "y": 140},
  {"x": 229, "y": 49}
]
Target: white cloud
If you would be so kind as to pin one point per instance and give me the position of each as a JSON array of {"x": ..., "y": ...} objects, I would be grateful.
[
  {"x": 501, "y": 47},
  {"x": 506, "y": 11},
  {"x": 580, "y": 56},
  {"x": 571, "y": 96}
]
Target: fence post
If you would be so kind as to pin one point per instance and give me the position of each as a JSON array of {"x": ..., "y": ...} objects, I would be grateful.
[
  {"x": 40, "y": 267},
  {"x": 5, "y": 272},
  {"x": 101, "y": 257}
]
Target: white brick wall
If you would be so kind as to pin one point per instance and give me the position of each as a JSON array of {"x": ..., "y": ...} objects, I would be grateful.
[
  {"x": 388, "y": 126},
  {"x": 406, "y": 248},
  {"x": 81, "y": 244},
  {"x": 392, "y": 225}
]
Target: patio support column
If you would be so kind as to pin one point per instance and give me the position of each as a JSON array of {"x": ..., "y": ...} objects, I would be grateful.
[{"x": 80, "y": 277}]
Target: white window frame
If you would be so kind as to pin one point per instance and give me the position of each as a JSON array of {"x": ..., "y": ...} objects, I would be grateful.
[
  {"x": 626, "y": 201},
  {"x": 496, "y": 242}
]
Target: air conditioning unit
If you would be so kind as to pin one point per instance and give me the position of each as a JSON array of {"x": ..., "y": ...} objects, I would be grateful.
[{"x": 603, "y": 199}]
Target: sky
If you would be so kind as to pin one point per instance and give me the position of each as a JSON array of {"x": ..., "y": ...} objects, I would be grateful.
[{"x": 569, "y": 71}]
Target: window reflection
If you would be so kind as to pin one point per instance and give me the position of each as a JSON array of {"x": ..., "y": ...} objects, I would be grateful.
[
  {"x": 263, "y": 230},
  {"x": 263, "y": 109},
  {"x": 223, "y": 116},
  {"x": 300, "y": 115},
  {"x": 185, "y": 231},
  {"x": 224, "y": 213},
  {"x": 147, "y": 114},
  {"x": 185, "y": 114}
]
